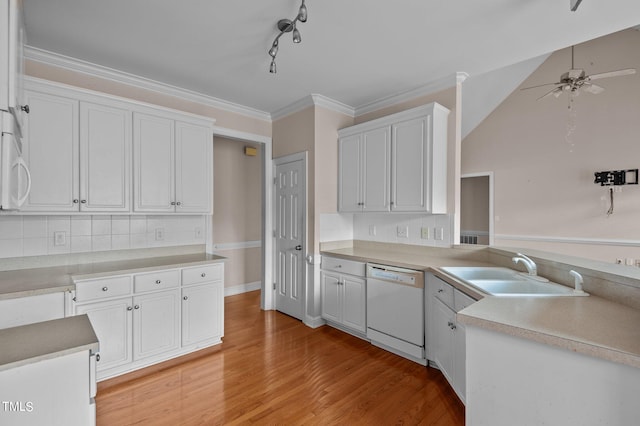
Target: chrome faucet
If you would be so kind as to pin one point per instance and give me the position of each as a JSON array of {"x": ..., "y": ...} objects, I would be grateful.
[{"x": 532, "y": 269}]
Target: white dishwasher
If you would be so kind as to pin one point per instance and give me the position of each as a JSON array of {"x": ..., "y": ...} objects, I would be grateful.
[{"x": 395, "y": 310}]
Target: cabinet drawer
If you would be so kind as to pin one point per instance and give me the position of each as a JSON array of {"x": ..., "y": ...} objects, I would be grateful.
[
  {"x": 444, "y": 292},
  {"x": 344, "y": 266},
  {"x": 103, "y": 288},
  {"x": 156, "y": 281},
  {"x": 202, "y": 274},
  {"x": 461, "y": 300}
]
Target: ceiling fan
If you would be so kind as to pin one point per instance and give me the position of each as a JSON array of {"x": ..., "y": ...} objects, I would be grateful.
[{"x": 575, "y": 80}]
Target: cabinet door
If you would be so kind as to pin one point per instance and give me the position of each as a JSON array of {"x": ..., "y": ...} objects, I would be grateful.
[
  {"x": 410, "y": 168},
  {"x": 349, "y": 174},
  {"x": 376, "y": 163},
  {"x": 51, "y": 153},
  {"x": 354, "y": 303},
  {"x": 202, "y": 313},
  {"x": 459, "y": 360},
  {"x": 153, "y": 145},
  {"x": 193, "y": 168},
  {"x": 156, "y": 323},
  {"x": 331, "y": 297},
  {"x": 442, "y": 344},
  {"x": 112, "y": 323},
  {"x": 105, "y": 155}
]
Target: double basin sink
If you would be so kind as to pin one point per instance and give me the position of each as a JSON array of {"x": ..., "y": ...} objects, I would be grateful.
[{"x": 499, "y": 281}]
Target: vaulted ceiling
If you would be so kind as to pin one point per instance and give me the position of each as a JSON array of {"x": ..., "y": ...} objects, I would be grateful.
[{"x": 354, "y": 52}]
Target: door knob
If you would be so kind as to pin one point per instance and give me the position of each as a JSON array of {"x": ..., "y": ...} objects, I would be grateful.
[{"x": 298, "y": 247}]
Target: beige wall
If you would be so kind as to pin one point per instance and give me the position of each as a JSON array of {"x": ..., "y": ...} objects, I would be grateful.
[
  {"x": 237, "y": 209},
  {"x": 223, "y": 118},
  {"x": 543, "y": 156},
  {"x": 474, "y": 203}
]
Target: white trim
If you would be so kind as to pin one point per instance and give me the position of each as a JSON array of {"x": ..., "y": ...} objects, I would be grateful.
[
  {"x": 569, "y": 240},
  {"x": 312, "y": 100},
  {"x": 469, "y": 232},
  {"x": 242, "y": 288},
  {"x": 237, "y": 245},
  {"x": 314, "y": 322},
  {"x": 388, "y": 101},
  {"x": 72, "y": 64},
  {"x": 239, "y": 135}
]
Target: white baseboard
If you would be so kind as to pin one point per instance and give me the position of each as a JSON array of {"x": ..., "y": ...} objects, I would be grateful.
[
  {"x": 314, "y": 322},
  {"x": 242, "y": 288}
]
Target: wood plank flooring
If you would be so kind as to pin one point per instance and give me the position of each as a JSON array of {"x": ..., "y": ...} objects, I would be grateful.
[{"x": 272, "y": 369}]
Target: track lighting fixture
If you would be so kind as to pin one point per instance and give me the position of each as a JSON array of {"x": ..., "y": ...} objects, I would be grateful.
[{"x": 287, "y": 26}]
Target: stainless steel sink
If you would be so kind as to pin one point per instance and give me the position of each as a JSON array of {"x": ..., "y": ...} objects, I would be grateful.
[{"x": 499, "y": 281}]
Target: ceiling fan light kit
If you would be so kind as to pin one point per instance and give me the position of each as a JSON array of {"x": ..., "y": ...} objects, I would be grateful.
[
  {"x": 287, "y": 26},
  {"x": 576, "y": 80}
]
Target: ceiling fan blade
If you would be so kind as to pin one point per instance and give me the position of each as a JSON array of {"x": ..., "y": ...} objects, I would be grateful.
[
  {"x": 627, "y": 71},
  {"x": 555, "y": 92},
  {"x": 540, "y": 85},
  {"x": 592, "y": 88}
]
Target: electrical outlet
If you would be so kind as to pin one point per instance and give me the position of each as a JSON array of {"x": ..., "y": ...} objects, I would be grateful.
[
  {"x": 372, "y": 230},
  {"x": 438, "y": 234},
  {"x": 159, "y": 234},
  {"x": 402, "y": 231},
  {"x": 619, "y": 261},
  {"x": 198, "y": 232},
  {"x": 424, "y": 233},
  {"x": 59, "y": 238}
]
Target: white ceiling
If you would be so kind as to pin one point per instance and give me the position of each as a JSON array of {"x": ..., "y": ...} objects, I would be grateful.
[{"x": 352, "y": 51}]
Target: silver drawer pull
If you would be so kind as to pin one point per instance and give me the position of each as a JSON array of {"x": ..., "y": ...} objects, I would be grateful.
[
  {"x": 203, "y": 275},
  {"x": 440, "y": 290},
  {"x": 129, "y": 308},
  {"x": 338, "y": 266},
  {"x": 136, "y": 307},
  {"x": 105, "y": 288},
  {"x": 158, "y": 281},
  {"x": 185, "y": 298}
]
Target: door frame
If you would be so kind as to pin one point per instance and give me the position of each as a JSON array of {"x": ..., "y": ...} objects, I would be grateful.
[
  {"x": 491, "y": 200},
  {"x": 267, "y": 298},
  {"x": 276, "y": 162}
]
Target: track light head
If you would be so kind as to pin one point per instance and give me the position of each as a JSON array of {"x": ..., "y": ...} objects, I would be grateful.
[
  {"x": 296, "y": 35},
  {"x": 302, "y": 13},
  {"x": 274, "y": 49}
]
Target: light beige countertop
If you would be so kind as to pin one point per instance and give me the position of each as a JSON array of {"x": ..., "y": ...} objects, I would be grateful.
[
  {"x": 31, "y": 343},
  {"x": 589, "y": 325},
  {"x": 31, "y": 282}
]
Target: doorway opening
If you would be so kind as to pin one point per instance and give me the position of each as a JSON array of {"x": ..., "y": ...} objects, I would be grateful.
[{"x": 476, "y": 208}]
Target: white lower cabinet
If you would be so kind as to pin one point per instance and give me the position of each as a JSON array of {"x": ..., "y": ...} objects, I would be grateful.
[
  {"x": 343, "y": 294},
  {"x": 142, "y": 319},
  {"x": 446, "y": 337}
]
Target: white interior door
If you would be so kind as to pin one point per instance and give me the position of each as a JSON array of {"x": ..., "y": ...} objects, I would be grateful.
[{"x": 290, "y": 196}]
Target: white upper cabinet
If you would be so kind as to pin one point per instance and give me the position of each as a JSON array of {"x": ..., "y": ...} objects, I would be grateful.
[
  {"x": 395, "y": 163},
  {"x": 92, "y": 153},
  {"x": 51, "y": 152},
  {"x": 105, "y": 158},
  {"x": 172, "y": 165},
  {"x": 12, "y": 39},
  {"x": 79, "y": 154}
]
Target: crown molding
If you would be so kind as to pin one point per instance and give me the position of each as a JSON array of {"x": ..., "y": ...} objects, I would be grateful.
[
  {"x": 312, "y": 100},
  {"x": 388, "y": 101},
  {"x": 94, "y": 70}
]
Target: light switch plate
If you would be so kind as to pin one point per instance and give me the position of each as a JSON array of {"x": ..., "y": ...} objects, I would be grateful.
[
  {"x": 439, "y": 234},
  {"x": 424, "y": 233}
]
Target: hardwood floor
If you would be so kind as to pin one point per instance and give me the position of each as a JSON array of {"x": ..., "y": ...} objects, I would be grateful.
[{"x": 272, "y": 369}]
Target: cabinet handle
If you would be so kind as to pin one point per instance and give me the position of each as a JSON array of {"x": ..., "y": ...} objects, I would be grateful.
[
  {"x": 185, "y": 298},
  {"x": 76, "y": 201},
  {"x": 440, "y": 290},
  {"x": 136, "y": 307},
  {"x": 338, "y": 266},
  {"x": 83, "y": 201},
  {"x": 25, "y": 108},
  {"x": 97, "y": 355},
  {"x": 105, "y": 288},
  {"x": 158, "y": 281},
  {"x": 391, "y": 203},
  {"x": 129, "y": 308},
  {"x": 178, "y": 203},
  {"x": 173, "y": 203},
  {"x": 203, "y": 275}
]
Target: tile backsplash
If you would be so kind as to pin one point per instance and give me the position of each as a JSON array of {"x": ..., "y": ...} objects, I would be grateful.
[{"x": 45, "y": 235}]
